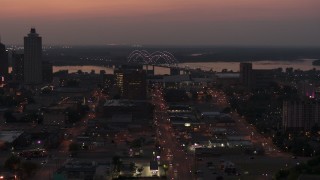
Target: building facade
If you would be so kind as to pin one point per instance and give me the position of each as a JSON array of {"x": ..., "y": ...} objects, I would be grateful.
[
  {"x": 17, "y": 67},
  {"x": 3, "y": 61},
  {"x": 256, "y": 78},
  {"x": 135, "y": 85},
  {"x": 131, "y": 80},
  {"x": 246, "y": 74},
  {"x": 300, "y": 114},
  {"x": 33, "y": 58},
  {"x": 119, "y": 79},
  {"x": 174, "y": 71},
  {"x": 47, "y": 72}
]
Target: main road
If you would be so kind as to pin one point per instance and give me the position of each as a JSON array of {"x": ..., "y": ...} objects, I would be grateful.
[
  {"x": 248, "y": 129},
  {"x": 61, "y": 155},
  {"x": 180, "y": 163}
]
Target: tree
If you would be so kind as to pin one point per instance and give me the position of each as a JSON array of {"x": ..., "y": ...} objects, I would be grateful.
[
  {"x": 311, "y": 167},
  {"x": 6, "y": 145},
  {"x": 226, "y": 110},
  {"x": 165, "y": 168},
  {"x": 117, "y": 96},
  {"x": 12, "y": 163},
  {"x": 46, "y": 90},
  {"x": 74, "y": 148},
  {"x": 194, "y": 95},
  {"x": 175, "y": 95},
  {"x": 72, "y": 83},
  {"x": 282, "y": 174},
  {"x": 219, "y": 178},
  {"x": 83, "y": 109},
  {"x": 73, "y": 115},
  {"x": 208, "y": 97},
  {"x": 137, "y": 143},
  {"x": 8, "y": 101},
  {"x": 116, "y": 161},
  {"x": 315, "y": 129},
  {"x": 29, "y": 168},
  {"x": 9, "y": 117}
]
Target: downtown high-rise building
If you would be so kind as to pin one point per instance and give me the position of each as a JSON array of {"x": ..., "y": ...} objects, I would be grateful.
[
  {"x": 135, "y": 85},
  {"x": 33, "y": 58},
  {"x": 17, "y": 67},
  {"x": 47, "y": 70},
  {"x": 256, "y": 78},
  {"x": 300, "y": 114},
  {"x": 131, "y": 81},
  {"x": 246, "y": 74},
  {"x": 3, "y": 61}
]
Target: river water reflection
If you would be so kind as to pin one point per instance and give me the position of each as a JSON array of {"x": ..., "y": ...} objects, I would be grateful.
[{"x": 215, "y": 66}]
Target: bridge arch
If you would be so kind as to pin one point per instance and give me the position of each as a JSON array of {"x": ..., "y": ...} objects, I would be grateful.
[{"x": 144, "y": 57}]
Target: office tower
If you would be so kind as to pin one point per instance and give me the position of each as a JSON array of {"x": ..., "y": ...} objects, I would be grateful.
[
  {"x": 120, "y": 73},
  {"x": 256, "y": 78},
  {"x": 174, "y": 71},
  {"x": 149, "y": 71},
  {"x": 300, "y": 114},
  {"x": 33, "y": 58},
  {"x": 47, "y": 71},
  {"x": 262, "y": 78},
  {"x": 132, "y": 83},
  {"x": 135, "y": 85},
  {"x": 246, "y": 74},
  {"x": 3, "y": 61},
  {"x": 18, "y": 67},
  {"x": 119, "y": 79},
  {"x": 307, "y": 89}
]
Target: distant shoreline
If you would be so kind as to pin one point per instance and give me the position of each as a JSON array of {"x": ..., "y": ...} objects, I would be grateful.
[
  {"x": 316, "y": 62},
  {"x": 60, "y": 56}
]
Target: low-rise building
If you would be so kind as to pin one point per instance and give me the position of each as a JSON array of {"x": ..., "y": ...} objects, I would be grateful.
[{"x": 83, "y": 170}]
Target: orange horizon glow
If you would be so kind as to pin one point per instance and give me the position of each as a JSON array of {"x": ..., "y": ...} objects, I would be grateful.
[
  {"x": 163, "y": 21},
  {"x": 122, "y": 8}
]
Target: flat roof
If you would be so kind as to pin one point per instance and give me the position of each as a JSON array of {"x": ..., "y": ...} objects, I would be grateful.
[
  {"x": 212, "y": 113},
  {"x": 228, "y": 75},
  {"x": 71, "y": 90},
  {"x": 309, "y": 177},
  {"x": 177, "y": 78},
  {"x": 121, "y": 118},
  {"x": 9, "y": 136},
  {"x": 153, "y": 165},
  {"x": 118, "y": 103}
]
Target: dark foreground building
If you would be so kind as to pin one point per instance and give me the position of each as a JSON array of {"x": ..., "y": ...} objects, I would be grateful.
[{"x": 3, "y": 61}]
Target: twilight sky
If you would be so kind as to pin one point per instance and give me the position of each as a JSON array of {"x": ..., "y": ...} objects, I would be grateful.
[{"x": 166, "y": 22}]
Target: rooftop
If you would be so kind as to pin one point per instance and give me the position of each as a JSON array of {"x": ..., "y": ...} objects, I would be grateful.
[
  {"x": 228, "y": 75},
  {"x": 9, "y": 136},
  {"x": 118, "y": 102}
]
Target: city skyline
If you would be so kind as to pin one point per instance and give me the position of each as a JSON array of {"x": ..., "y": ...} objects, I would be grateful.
[
  {"x": 33, "y": 58},
  {"x": 204, "y": 22},
  {"x": 207, "y": 89}
]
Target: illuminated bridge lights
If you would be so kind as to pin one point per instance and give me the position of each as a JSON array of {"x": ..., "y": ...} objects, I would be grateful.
[{"x": 144, "y": 57}]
